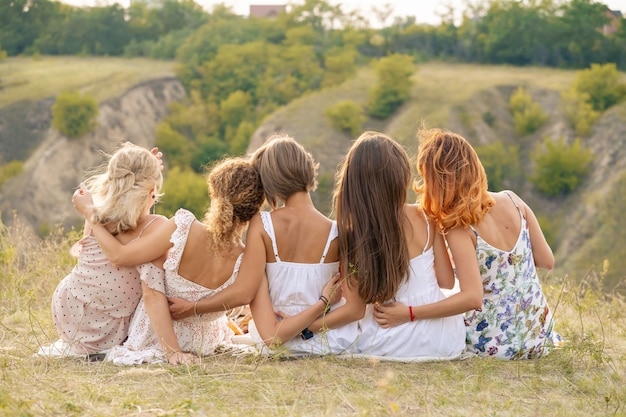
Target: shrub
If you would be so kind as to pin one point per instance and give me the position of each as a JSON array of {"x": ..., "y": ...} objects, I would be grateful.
[
  {"x": 394, "y": 85},
  {"x": 346, "y": 116},
  {"x": 184, "y": 188},
  {"x": 601, "y": 84},
  {"x": 559, "y": 167},
  {"x": 579, "y": 111},
  {"x": 527, "y": 115},
  {"x": 74, "y": 114},
  {"x": 10, "y": 170},
  {"x": 501, "y": 164}
]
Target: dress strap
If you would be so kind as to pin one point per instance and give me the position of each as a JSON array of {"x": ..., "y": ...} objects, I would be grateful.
[
  {"x": 266, "y": 218},
  {"x": 427, "y": 232},
  {"x": 332, "y": 235},
  {"x": 521, "y": 215},
  {"x": 146, "y": 226}
]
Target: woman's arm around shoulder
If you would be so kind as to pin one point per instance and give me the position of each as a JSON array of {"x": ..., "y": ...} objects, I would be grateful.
[
  {"x": 153, "y": 243},
  {"x": 542, "y": 253}
]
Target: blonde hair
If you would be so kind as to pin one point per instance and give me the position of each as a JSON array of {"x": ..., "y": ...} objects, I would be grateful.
[
  {"x": 453, "y": 185},
  {"x": 120, "y": 192},
  {"x": 236, "y": 196},
  {"x": 370, "y": 195},
  {"x": 285, "y": 168}
]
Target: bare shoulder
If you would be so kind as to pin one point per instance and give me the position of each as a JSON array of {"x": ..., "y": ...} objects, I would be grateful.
[{"x": 414, "y": 213}]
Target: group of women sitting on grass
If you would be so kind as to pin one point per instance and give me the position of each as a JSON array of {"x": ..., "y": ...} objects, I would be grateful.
[{"x": 150, "y": 289}]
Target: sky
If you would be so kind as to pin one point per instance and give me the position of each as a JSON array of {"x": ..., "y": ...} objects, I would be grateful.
[{"x": 425, "y": 11}]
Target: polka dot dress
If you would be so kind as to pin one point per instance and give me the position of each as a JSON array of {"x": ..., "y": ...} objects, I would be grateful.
[{"x": 93, "y": 305}]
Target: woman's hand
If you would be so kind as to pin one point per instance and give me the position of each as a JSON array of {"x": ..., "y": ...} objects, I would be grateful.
[
  {"x": 159, "y": 156},
  {"x": 332, "y": 289},
  {"x": 182, "y": 358},
  {"x": 82, "y": 201},
  {"x": 391, "y": 315},
  {"x": 180, "y": 308}
]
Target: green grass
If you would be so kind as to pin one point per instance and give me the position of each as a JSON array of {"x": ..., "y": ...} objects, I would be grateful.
[
  {"x": 587, "y": 377},
  {"x": 26, "y": 78}
]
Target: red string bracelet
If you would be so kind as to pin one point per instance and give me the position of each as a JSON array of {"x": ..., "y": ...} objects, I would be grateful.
[{"x": 411, "y": 313}]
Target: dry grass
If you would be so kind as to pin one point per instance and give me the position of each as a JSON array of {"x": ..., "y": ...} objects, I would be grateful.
[
  {"x": 585, "y": 378},
  {"x": 25, "y": 78}
]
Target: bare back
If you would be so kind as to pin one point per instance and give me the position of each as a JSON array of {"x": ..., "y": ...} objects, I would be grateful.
[
  {"x": 416, "y": 230},
  {"x": 200, "y": 264},
  {"x": 301, "y": 236},
  {"x": 501, "y": 225}
]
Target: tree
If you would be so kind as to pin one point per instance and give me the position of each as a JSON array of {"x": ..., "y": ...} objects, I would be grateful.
[
  {"x": 74, "y": 114},
  {"x": 183, "y": 188},
  {"x": 394, "y": 85}
]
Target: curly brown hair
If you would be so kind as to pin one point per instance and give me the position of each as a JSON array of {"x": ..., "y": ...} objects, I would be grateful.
[{"x": 236, "y": 196}]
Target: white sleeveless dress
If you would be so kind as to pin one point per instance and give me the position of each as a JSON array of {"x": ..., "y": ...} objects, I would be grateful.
[
  {"x": 200, "y": 334},
  {"x": 294, "y": 287},
  {"x": 421, "y": 340}
]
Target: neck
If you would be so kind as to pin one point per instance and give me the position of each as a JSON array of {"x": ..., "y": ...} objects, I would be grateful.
[{"x": 300, "y": 200}]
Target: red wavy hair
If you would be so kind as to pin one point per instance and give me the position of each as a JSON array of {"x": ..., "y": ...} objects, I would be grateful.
[{"x": 453, "y": 186}]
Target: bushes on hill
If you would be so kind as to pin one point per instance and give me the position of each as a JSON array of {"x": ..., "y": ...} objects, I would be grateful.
[
  {"x": 10, "y": 170},
  {"x": 184, "y": 188},
  {"x": 74, "y": 114},
  {"x": 346, "y": 116},
  {"x": 559, "y": 167},
  {"x": 501, "y": 164},
  {"x": 579, "y": 111},
  {"x": 394, "y": 85},
  {"x": 527, "y": 115},
  {"x": 601, "y": 86}
]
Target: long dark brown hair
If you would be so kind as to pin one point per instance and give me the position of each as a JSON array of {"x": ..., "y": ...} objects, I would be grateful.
[{"x": 369, "y": 204}]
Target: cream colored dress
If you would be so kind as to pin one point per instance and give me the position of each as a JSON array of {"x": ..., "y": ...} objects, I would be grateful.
[{"x": 200, "y": 334}]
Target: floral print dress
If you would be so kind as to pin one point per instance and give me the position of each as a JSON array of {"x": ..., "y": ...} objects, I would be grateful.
[{"x": 515, "y": 321}]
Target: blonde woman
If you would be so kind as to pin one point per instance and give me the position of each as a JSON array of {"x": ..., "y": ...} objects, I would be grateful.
[
  {"x": 203, "y": 259},
  {"x": 93, "y": 305},
  {"x": 496, "y": 241}
]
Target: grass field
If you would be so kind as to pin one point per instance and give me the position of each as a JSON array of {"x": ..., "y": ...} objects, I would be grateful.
[
  {"x": 27, "y": 78},
  {"x": 587, "y": 377}
]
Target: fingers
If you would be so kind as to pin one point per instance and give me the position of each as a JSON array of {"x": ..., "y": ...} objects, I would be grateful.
[{"x": 280, "y": 314}]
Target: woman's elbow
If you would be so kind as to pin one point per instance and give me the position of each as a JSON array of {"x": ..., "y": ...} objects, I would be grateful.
[
  {"x": 475, "y": 301},
  {"x": 547, "y": 263}
]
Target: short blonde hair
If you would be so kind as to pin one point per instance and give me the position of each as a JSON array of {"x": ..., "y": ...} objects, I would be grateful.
[
  {"x": 453, "y": 185},
  {"x": 285, "y": 168},
  {"x": 121, "y": 188},
  {"x": 236, "y": 196}
]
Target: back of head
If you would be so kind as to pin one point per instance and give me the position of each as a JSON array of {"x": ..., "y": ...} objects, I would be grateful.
[
  {"x": 236, "y": 196},
  {"x": 369, "y": 203},
  {"x": 285, "y": 168},
  {"x": 121, "y": 191},
  {"x": 453, "y": 186}
]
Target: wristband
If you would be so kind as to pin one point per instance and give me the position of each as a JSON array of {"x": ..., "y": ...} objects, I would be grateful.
[
  {"x": 326, "y": 304},
  {"x": 195, "y": 308},
  {"x": 411, "y": 313},
  {"x": 306, "y": 334}
]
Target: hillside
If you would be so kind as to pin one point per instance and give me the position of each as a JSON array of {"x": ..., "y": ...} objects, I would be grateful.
[
  {"x": 455, "y": 97},
  {"x": 134, "y": 95}
]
